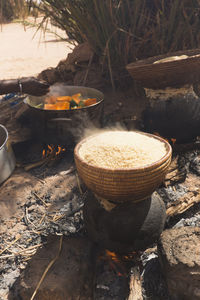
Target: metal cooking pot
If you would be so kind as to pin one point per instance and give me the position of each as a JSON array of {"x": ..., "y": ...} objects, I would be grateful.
[
  {"x": 7, "y": 158},
  {"x": 64, "y": 126}
]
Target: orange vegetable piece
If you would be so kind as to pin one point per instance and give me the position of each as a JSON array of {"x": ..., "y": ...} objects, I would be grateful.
[
  {"x": 62, "y": 106},
  {"x": 57, "y": 106},
  {"x": 90, "y": 101},
  {"x": 50, "y": 100},
  {"x": 64, "y": 98},
  {"x": 50, "y": 106}
]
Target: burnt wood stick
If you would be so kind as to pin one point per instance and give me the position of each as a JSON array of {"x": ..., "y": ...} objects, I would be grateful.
[{"x": 135, "y": 285}]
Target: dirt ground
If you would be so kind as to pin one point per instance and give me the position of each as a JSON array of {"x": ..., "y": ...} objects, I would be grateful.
[{"x": 24, "y": 52}]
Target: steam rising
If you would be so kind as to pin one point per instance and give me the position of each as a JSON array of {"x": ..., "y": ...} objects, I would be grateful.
[
  {"x": 84, "y": 126},
  {"x": 92, "y": 130}
]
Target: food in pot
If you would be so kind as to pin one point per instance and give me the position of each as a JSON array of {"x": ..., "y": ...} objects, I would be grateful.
[
  {"x": 68, "y": 102},
  {"x": 121, "y": 149}
]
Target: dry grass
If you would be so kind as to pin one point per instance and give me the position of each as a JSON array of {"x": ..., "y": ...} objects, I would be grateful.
[
  {"x": 11, "y": 9},
  {"x": 120, "y": 32}
]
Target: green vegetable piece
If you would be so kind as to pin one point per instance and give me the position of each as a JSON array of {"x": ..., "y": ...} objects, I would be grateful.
[
  {"x": 73, "y": 103},
  {"x": 40, "y": 105},
  {"x": 81, "y": 103}
]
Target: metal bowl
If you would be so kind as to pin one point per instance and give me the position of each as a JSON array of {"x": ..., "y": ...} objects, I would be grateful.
[
  {"x": 65, "y": 90},
  {"x": 7, "y": 158}
]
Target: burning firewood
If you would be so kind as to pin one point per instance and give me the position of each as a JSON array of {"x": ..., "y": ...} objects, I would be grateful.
[{"x": 49, "y": 154}]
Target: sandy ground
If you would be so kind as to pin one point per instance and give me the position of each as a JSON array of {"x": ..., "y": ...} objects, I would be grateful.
[{"x": 23, "y": 54}]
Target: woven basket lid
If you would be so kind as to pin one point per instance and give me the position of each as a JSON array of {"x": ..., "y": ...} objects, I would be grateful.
[{"x": 158, "y": 72}]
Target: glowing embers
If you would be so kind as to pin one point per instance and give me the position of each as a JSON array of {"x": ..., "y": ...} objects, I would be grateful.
[
  {"x": 119, "y": 263},
  {"x": 115, "y": 263}
]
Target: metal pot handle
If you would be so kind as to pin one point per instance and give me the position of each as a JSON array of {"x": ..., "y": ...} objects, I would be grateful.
[{"x": 60, "y": 120}]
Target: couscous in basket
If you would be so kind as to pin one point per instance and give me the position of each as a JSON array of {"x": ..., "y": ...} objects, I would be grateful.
[{"x": 126, "y": 183}]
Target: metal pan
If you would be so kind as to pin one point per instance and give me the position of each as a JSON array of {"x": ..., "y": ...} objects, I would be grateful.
[{"x": 63, "y": 126}]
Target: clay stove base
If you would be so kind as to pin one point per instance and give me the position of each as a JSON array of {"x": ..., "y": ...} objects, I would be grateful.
[
  {"x": 127, "y": 227},
  {"x": 178, "y": 250}
]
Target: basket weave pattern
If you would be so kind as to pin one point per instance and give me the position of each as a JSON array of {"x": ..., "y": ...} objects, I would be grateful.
[
  {"x": 122, "y": 185},
  {"x": 168, "y": 74}
]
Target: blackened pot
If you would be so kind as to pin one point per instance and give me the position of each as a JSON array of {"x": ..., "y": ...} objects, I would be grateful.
[
  {"x": 126, "y": 228},
  {"x": 176, "y": 117},
  {"x": 64, "y": 126}
]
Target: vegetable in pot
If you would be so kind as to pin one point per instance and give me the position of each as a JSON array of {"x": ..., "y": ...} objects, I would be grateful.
[{"x": 68, "y": 102}]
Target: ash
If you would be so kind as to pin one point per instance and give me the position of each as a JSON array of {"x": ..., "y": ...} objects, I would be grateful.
[{"x": 43, "y": 213}]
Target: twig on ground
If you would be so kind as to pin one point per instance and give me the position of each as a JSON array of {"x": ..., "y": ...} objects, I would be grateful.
[
  {"x": 12, "y": 243},
  {"x": 39, "y": 198},
  {"x": 26, "y": 218},
  {"x": 57, "y": 217},
  {"x": 36, "y": 164},
  {"x": 69, "y": 171},
  {"x": 21, "y": 252},
  {"x": 47, "y": 268},
  {"x": 42, "y": 219}
]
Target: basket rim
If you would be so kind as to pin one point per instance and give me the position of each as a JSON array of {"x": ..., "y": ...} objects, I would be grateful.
[
  {"x": 149, "y": 62},
  {"x": 127, "y": 170}
]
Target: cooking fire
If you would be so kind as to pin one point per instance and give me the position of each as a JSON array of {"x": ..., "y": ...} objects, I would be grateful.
[
  {"x": 100, "y": 217},
  {"x": 52, "y": 151}
]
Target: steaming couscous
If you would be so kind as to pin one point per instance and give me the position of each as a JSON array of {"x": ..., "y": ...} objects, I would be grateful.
[{"x": 121, "y": 149}]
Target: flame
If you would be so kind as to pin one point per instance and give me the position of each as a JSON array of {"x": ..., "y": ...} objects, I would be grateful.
[
  {"x": 117, "y": 262},
  {"x": 52, "y": 151},
  {"x": 172, "y": 140},
  {"x": 112, "y": 255}
]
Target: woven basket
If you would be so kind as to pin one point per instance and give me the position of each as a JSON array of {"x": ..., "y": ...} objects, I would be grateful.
[
  {"x": 168, "y": 74},
  {"x": 120, "y": 185}
]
